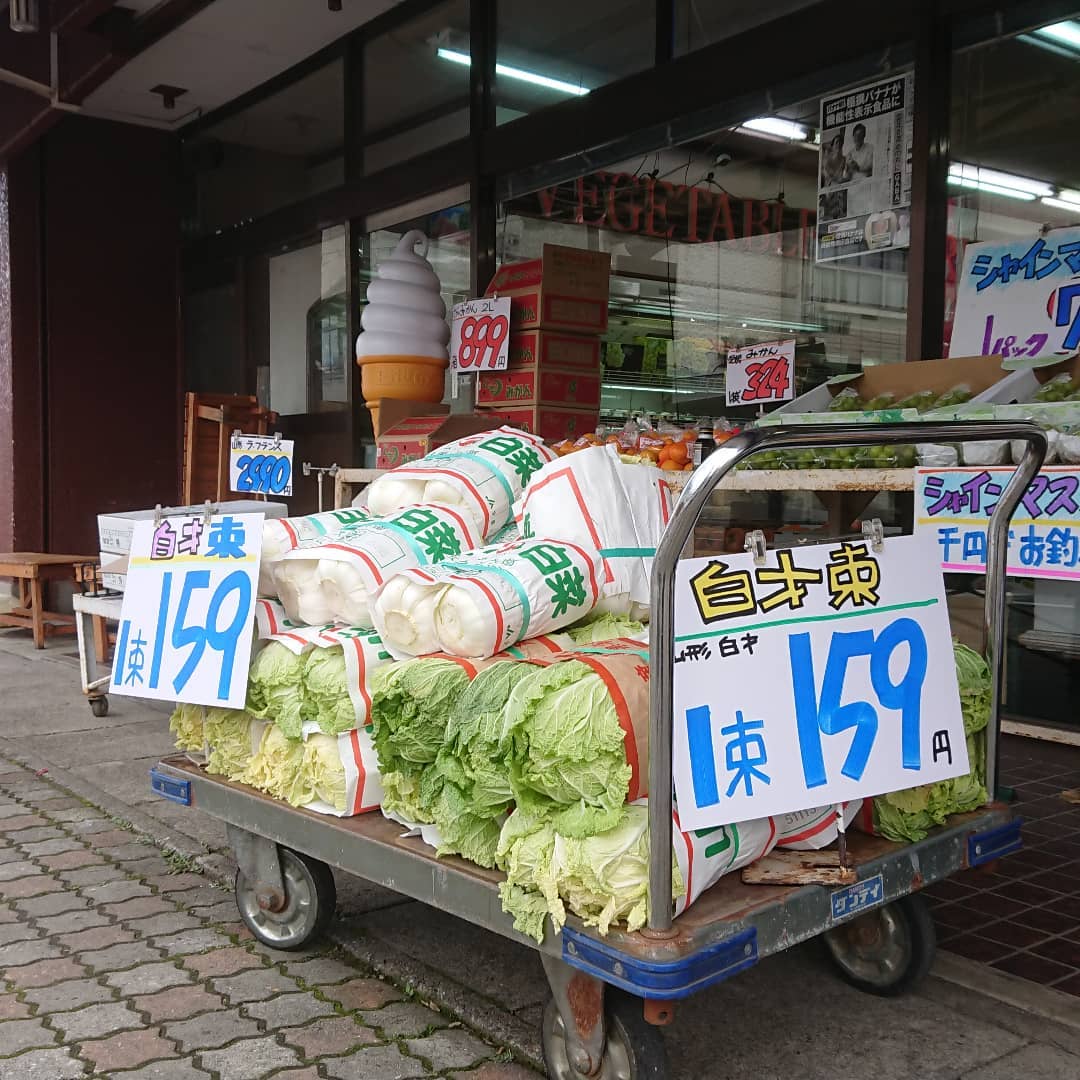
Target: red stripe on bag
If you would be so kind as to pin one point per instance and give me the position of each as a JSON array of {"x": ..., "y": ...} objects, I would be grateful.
[
  {"x": 689, "y": 858},
  {"x": 814, "y": 830},
  {"x": 551, "y": 646},
  {"x": 665, "y": 500},
  {"x": 493, "y": 600},
  {"x": 363, "y": 556},
  {"x": 772, "y": 833},
  {"x": 268, "y": 608},
  {"x": 361, "y": 772},
  {"x": 589, "y": 560},
  {"x": 866, "y": 816},
  {"x": 363, "y": 671},
  {"x": 469, "y": 669},
  {"x": 622, "y": 714},
  {"x": 286, "y": 525},
  {"x": 568, "y": 475},
  {"x": 464, "y": 525}
]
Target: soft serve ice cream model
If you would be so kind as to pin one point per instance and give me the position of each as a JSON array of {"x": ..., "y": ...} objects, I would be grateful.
[{"x": 402, "y": 347}]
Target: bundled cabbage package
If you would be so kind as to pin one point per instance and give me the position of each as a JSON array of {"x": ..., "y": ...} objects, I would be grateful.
[
  {"x": 276, "y": 765},
  {"x": 481, "y": 476},
  {"x": 282, "y": 535},
  {"x": 275, "y": 685},
  {"x": 483, "y": 603},
  {"x": 336, "y": 679},
  {"x": 233, "y": 736},
  {"x": 186, "y": 725},
  {"x": 603, "y": 878},
  {"x": 334, "y": 582},
  {"x": 595, "y": 501},
  {"x": 339, "y": 774},
  {"x": 812, "y": 830}
]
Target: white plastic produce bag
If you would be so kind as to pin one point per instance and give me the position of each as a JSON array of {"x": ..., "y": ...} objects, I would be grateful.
[
  {"x": 481, "y": 475},
  {"x": 335, "y": 582},
  {"x": 282, "y": 535},
  {"x": 272, "y": 624},
  {"x": 706, "y": 855},
  {"x": 1053, "y": 446},
  {"x": 483, "y": 603},
  {"x": 594, "y": 500},
  {"x": 812, "y": 830},
  {"x": 985, "y": 452},
  {"x": 343, "y": 771}
]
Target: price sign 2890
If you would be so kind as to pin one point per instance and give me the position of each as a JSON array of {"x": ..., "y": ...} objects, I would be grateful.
[
  {"x": 481, "y": 335},
  {"x": 186, "y": 623}
]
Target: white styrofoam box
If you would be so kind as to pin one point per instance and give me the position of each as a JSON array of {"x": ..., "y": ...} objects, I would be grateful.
[
  {"x": 114, "y": 530},
  {"x": 113, "y": 570}
]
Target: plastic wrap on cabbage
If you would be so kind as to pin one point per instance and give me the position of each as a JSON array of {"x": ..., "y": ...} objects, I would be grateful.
[
  {"x": 228, "y": 734},
  {"x": 186, "y": 725},
  {"x": 275, "y": 687}
]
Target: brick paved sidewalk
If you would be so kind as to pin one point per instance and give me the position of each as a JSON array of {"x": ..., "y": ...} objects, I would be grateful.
[{"x": 118, "y": 963}]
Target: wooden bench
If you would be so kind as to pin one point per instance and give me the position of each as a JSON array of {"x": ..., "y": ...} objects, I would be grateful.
[{"x": 34, "y": 570}]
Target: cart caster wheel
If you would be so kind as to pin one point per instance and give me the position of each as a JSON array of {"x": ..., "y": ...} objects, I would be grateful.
[
  {"x": 634, "y": 1050},
  {"x": 887, "y": 951},
  {"x": 310, "y": 900},
  {"x": 99, "y": 706}
]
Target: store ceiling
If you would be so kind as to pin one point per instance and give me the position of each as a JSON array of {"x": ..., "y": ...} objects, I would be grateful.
[{"x": 225, "y": 50}]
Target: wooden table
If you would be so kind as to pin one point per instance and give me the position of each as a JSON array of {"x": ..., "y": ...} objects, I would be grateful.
[{"x": 34, "y": 570}]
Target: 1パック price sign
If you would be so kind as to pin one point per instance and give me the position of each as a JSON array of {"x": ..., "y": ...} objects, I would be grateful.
[
  {"x": 480, "y": 337},
  {"x": 819, "y": 675},
  {"x": 187, "y": 618},
  {"x": 260, "y": 464},
  {"x": 758, "y": 374}
]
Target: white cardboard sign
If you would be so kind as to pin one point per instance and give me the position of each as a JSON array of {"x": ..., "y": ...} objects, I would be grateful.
[
  {"x": 818, "y": 676},
  {"x": 480, "y": 335},
  {"x": 188, "y": 614},
  {"x": 760, "y": 374}
]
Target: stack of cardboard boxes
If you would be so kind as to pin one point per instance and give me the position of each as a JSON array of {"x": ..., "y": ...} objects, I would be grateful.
[{"x": 558, "y": 311}]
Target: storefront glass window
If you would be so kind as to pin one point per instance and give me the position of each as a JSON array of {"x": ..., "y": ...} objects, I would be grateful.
[
  {"x": 278, "y": 151},
  {"x": 549, "y": 52},
  {"x": 699, "y": 22},
  {"x": 416, "y": 86},
  {"x": 712, "y": 247},
  {"x": 1015, "y": 177}
]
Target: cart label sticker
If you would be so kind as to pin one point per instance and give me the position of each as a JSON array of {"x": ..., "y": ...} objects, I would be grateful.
[
  {"x": 954, "y": 505},
  {"x": 1019, "y": 299},
  {"x": 188, "y": 615},
  {"x": 814, "y": 676},
  {"x": 857, "y": 898},
  {"x": 260, "y": 464}
]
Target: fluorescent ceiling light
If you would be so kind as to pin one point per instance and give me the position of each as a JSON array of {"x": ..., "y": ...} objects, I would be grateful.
[
  {"x": 1062, "y": 204},
  {"x": 520, "y": 74},
  {"x": 987, "y": 179},
  {"x": 775, "y": 125},
  {"x": 992, "y": 189},
  {"x": 1068, "y": 33}
]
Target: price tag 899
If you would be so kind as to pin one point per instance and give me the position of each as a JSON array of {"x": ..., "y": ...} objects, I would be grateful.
[
  {"x": 480, "y": 338},
  {"x": 187, "y": 618}
]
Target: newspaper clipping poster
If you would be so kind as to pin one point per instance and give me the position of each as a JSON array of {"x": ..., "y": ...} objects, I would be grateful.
[{"x": 864, "y": 186}]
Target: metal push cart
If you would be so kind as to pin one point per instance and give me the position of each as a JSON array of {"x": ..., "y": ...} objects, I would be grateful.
[{"x": 610, "y": 994}]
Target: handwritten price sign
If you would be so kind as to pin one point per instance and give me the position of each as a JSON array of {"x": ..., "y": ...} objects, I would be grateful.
[
  {"x": 758, "y": 374},
  {"x": 820, "y": 675},
  {"x": 480, "y": 338},
  {"x": 187, "y": 618},
  {"x": 260, "y": 464},
  {"x": 1020, "y": 300}
]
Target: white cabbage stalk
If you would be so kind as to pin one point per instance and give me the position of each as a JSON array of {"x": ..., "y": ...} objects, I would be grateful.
[
  {"x": 460, "y": 625},
  {"x": 408, "y": 613},
  {"x": 441, "y": 491},
  {"x": 344, "y": 591},
  {"x": 387, "y": 494},
  {"x": 297, "y": 584}
]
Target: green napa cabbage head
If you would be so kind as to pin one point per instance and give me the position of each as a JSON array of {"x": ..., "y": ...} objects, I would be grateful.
[
  {"x": 324, "y": 770},
  {"x": 325, "y": 691},
  {"x": 277, "y": 768},
  {"x": 228, "y": 734},
  {"x": 275, "y": 687},
  {"x": 186, "y": 724}
]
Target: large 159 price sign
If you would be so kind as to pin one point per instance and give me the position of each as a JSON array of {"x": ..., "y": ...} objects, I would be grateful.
[
  {"x": 758, "y": 374},
  {"x": 815, "y": 676},
  {"x": 480, "y": 335},
  {"x": 187, "y": 618}
]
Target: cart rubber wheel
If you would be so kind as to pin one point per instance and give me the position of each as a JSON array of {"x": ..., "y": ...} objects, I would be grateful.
[
  {"x": 99, "y": 706},
  {"x": 887, "y": 951},
  {"x": 310, "y": 900},
  {"x": 634, "y": 1050}
]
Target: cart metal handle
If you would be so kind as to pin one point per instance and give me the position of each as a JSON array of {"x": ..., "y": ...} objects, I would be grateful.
[{"x": 693, "y": 499}]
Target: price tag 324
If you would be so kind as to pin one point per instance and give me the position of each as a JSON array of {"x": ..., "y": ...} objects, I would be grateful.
[
  {"x": 758, "y": 374},
  {"x": 480, "y": 338},
  {"x": 260, "y": 464},
  {"x": 187, "y": 618}
]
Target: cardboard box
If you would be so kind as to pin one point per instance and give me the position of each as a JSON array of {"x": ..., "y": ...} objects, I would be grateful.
[
  {"x": 1020, "y": 387},
  {"x": 114, "y": 570},
  {"x": 391, "y": 411},
  {"x": 538, "y": 386},
  {"x": 542, "y": 348},
  {"x": 551, "y": 424},
  {"x": 419, "y": 435},
  {"x": 984, "y": 375},
  {"x": 114, "y": 530},
  {"x": 566, "y": 289}
]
